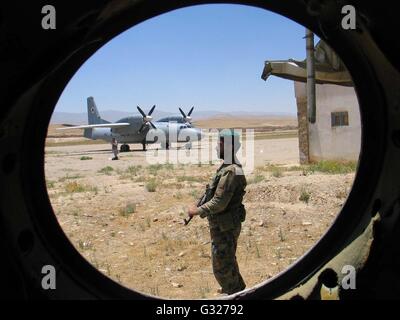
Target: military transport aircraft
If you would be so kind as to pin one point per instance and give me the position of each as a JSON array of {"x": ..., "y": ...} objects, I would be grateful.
[{"x": 139, "y": 129}]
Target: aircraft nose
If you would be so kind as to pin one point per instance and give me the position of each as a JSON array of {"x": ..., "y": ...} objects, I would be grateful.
[{"x": 198, "y": 133}]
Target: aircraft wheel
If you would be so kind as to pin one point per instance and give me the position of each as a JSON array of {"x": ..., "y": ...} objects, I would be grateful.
[{"x": 124, "y": 148}]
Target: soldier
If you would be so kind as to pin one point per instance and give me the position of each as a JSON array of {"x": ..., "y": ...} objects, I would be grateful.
[
  {"x": 225, "y": 212},
  {"x": 114, "y": 146}
]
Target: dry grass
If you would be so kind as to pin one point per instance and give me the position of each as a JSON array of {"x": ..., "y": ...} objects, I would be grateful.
[
  {"x": 106, "y": 170},
  {"x": 305, "y": 196},
  {"x": 151, "y": 185},
  {"x": 74, "y": 187},
  {"x": 129, "y": 209}
]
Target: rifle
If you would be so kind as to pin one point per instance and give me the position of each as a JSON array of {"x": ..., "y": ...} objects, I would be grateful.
[{"x": 201, "y": 201}]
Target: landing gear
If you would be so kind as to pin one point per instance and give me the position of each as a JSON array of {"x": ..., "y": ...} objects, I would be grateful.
[
  {"x": 125, "y": 148},
  {"x": 165, "y": 145},
  {"x": 144, "y": 146}
]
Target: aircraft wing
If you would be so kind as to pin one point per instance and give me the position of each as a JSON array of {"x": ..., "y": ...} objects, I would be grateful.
[{"x": 103, "y": 125}]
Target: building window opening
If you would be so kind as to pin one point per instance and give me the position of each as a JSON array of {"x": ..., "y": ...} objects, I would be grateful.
[{"x": 339, "y": 119}]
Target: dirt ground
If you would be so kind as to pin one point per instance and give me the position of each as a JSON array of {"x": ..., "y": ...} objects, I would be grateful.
[{"x": 126, "y": 217}]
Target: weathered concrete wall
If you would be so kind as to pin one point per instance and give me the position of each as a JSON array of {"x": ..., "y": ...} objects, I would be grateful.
[{"x": 325, "y": 142}]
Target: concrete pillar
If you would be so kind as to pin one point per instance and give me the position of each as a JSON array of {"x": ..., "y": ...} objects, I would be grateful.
[
  {"x": 310, "y": 76},
  {"x": 302, "y": 119}
]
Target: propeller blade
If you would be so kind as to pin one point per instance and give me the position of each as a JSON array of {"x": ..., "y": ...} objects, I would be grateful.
[
  {"x": 190, "y": 112},
  {"x": 154, "y": 127},
  {"x": 141, "y": 112},
  {"x": 183, "y": 114},
  {"x": 151, "y": 110},
  {"x": 141, "y": 128}
]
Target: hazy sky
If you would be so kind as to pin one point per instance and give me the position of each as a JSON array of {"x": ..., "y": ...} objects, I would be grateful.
[{"x": 208, "y": 56}]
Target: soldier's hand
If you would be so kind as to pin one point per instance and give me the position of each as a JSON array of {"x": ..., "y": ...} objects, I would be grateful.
[{"x": 192, "y": 211}]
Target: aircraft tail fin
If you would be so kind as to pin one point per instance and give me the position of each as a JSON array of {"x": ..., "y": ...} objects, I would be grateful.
[{"x": 93, "y": 113}]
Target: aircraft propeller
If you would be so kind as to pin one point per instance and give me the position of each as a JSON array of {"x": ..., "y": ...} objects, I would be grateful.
[
  {"x": 146, "y": 118},
  {"x": 187, "y": 117}
]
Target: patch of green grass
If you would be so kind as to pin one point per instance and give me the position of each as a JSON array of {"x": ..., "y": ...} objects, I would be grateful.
[
  {"x": 154, "y": 168},
  {"x": 326, "y": 166},
  {"x": 334, "y": 167},
  {"x": 277, "y": 172},
  {"x": 128, "y": 210},
  {"x": 269, "y": 167},
  {"x": 86, "y": 158},
  {"x": 151, "y": 185},
  {"x": 168, "y": 166},
  {"x": 281, "y": 235},
  {"x": 69, "y": 177},
  {"x": 305, "y": 196},
  {"x": 133, "y": 170},
  {"x": 305, "y": 169},
  {"x": 189, "y": 179},
  {"x": 106, "y": 170},
  {"x": 139, "y": 179},
  {"x": 256, "y": 179}
]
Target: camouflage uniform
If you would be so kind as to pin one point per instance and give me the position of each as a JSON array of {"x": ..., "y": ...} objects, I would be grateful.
[
  {"x": 114, "y": 147},
  {"x": 225, "y": 213}
]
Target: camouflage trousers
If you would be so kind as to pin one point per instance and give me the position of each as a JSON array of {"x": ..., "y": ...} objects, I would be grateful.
[{"x": 225, "y": 266}]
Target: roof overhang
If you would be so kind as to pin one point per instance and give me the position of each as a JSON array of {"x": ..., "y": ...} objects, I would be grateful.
[{"x": 296, "y": 71}]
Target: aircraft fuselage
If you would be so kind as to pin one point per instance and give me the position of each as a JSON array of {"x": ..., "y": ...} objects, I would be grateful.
[{"x": 165, "y": 132}]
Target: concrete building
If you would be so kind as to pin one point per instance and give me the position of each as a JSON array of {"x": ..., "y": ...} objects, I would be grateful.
[{"x": 336, "y": 132}]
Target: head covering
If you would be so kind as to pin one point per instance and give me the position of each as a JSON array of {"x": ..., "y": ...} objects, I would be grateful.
[
  {"x": 230, "y": 136},
  {"x": 228, "y": 133}
]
